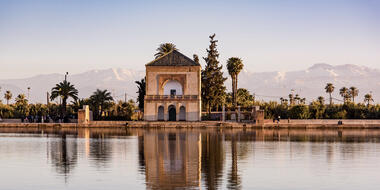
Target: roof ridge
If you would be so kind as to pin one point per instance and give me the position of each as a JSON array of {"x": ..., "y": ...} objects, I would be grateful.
[{"x": 176, "y": 59}]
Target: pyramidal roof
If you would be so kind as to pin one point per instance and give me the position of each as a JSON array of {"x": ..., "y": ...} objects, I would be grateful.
[{"x": 173, "y": 58}]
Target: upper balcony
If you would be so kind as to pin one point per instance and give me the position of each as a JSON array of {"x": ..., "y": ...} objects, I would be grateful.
[{"x": 171, "y": 97}]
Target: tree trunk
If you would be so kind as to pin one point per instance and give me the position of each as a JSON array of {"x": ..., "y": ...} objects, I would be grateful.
[
  {"x": 63, "y": 107},
  {"x": 234, "y": 90},
  {"x": 330, "y": 99},
  {"x": 236, "y": 83}
]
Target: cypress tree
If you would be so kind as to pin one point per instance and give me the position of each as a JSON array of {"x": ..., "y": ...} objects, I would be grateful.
[{"x": 213, "y": 89}]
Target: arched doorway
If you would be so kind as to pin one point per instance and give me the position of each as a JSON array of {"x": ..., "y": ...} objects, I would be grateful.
[
  {"x": 172, "y": 113},
  {"x": 160, "y": 114},
  {"x": 182, "y": 113}
]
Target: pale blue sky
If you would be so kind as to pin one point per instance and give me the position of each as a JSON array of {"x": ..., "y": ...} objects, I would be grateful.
[{"x": 38, "y": 37}]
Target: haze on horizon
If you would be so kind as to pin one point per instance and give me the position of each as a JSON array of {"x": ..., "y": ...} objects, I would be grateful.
[{"x": 40, "y": 37}]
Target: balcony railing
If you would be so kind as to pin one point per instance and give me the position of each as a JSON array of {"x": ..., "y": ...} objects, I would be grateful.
[{"x": 171, "y": 97}]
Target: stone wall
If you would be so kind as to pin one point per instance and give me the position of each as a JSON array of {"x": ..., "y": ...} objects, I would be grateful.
[{"x": 326, "y": 121}]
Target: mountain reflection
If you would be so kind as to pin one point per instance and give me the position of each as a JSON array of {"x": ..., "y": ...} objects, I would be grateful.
[{"x": 194, "y": 158}]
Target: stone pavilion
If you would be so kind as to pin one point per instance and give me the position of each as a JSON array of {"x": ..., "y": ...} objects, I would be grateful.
[{"x": 173, "y": 89}]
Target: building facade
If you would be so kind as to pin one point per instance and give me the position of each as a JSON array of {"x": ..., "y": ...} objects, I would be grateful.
[{"x": 173, "y": 89}]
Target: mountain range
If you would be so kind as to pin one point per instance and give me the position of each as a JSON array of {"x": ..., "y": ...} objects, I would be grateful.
[{"x": 307, "y": 83}]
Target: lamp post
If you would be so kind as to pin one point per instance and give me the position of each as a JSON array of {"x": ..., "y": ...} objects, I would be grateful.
[{"x": 67, "y": 73}]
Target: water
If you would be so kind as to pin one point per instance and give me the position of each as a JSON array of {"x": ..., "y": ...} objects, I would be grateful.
[{"x": 189, "y": 159}]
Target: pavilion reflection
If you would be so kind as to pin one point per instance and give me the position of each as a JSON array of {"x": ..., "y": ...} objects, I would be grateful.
[{"x": 171, "y": 160}]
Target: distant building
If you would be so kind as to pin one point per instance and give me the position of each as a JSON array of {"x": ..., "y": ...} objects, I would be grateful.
[{"x": 173, "y": 89}]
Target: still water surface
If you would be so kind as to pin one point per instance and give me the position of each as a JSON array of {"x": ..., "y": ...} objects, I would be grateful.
[{"x": 189, "y": 159}]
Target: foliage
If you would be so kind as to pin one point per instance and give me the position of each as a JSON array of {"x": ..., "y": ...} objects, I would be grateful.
[
  {"x": 141, "y": 85},
  {"x": 21, "y": 105},
  {"x": 213, "y": 89},
  {"x": 64, "y": 90},
  {"x": 100, "y": 101},
  {"x": 8, "y": 95},
  {"x": 164, "y": 49},
  {"x": 234, "y": 66},
  {"x": 330, "y": 89},
  {"x": 196, "y": 58}
]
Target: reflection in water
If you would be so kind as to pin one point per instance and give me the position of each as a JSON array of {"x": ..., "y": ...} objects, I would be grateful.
[
  {"x": 100, "y": 150},
  {"x": 212, "y": 159},
  {"x": 175, "y": 158},
  {"x": 63, "y": 154},
  {"x": 233, "y": 177},
  {"x": 171, "y": 159}
]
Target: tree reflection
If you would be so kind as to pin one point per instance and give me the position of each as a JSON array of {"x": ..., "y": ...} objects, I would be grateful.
[
  {"x": 100, "y": 150},
  {"x": 234, "y": 180},
  {"x": 212, "y": 159},
  {"x": 64, "y": 154}
]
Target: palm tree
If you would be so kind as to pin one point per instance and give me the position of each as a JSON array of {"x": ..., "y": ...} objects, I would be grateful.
[
  {"x": 353, "y": 92},
  {"x": 21, "y": 104},
  {"x": 368, "y": 98},
  {"x": 164, "y": 49},
  {"x": 8, "y": 96},
  {"x": 321, "y": 100},
  {"x": 20, "y": 99},
  {"x": 234, "y": 66},
  {"x": 141, "y": 93},
  {"x": 291, "y": 99},
  {"x": 64, "y": 90},
  {"x": 100, "y": 100},
  {"x": 297, "y": 99},
  {"x": 344, "y": 92},
  {"x": 330, "y": 89},
  {"x": 303, "y": 101}
]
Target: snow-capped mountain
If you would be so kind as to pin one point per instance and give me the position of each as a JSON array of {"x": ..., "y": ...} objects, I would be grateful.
[
  {"x": 310, "y": 83},
  {"x": 307, "y": 83},
  {"x": 117, "y": 81}
]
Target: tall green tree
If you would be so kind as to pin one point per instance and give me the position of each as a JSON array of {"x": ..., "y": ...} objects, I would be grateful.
[
  {"x": 141, "y": 85},
  {"x": 164, "y": 49},
  {"x": 64, "y": 90},
  {"x": 8, "y": 96},
  {"x": 344, "y": 92},
  {"x": 330, "y": 89},
  {"x": 21, "y": 105},
  {"x": 297, "y": 99},
  {"x": 234, "y": 66},
  {"x": 321, "y": 100},
  {"x": 243, "y": 97},
  {"x": 353, "y": 93},
  {"x": 213, "y": 89},
  {"x": 291, "y": 99},
  {"x": 368, "y": 98},
  {"x": 100, "y": 99}
]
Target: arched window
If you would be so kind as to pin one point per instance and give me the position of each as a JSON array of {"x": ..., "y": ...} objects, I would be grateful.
[
  {"x": 160, "y": 114},
  {"x": 173, "y": 87},
  {"x": 182, "y": 113}
]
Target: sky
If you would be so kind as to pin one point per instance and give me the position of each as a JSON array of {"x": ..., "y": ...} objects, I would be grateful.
[{"x": 58, "y": 36}]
